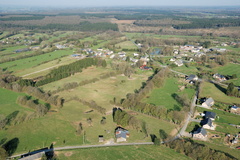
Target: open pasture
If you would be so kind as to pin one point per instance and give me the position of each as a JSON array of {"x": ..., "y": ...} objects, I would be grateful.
[{"x": 21, "y": 64}]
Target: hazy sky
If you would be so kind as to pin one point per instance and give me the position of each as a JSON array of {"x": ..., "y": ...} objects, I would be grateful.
[{"x": 83, "y": 3}]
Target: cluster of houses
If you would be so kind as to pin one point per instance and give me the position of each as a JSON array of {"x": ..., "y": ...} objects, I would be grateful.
[
  {"x": 206, "y": 123},
  {"x": 19, "y": 40},
  {"x": 193, "y": 51}
]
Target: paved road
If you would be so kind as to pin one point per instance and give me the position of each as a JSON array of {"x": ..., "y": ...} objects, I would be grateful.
[
  {"x": 190, "y": 114},
  {"x": 89, "y": 146}
]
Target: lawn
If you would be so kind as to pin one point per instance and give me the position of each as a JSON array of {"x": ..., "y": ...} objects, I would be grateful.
[
  {"x": 106, "y": 89},
  {"x": 154, "y": 125},
  {"x": 191, "y": 126},
  {"x": 164, "y": 96},
  {"x": 230, "y": 69},
  {"x": 212, "y": 90},
  {"x": 11, "y": 50},
  {"x": 221, "y": 147},
  {"x": 186, "y": 70},
  {"x": 21, "y": 64},
  {"x": 146, "y": 152},
  {"x": 86, "y": 74},
  {"x": 29, "y": 72},
  {"x": 126, "y": 45},
  {"x": 8, "y": 102},
  {"x": 224, "y": 117}
]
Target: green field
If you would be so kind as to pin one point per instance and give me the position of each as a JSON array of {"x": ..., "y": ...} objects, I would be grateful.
[
  {"x": 210, "y": 90},
  {"x": 86, "y": 74},
  {"x": 147, "y": 152},
  {"x": 186, "y": 70},
  {"x": 106, "y": 89},
  {"x": 164, "y": 96},
  {"x": 154, "y": 125},
  {"x": 126, "y": 45},
  {"x": 11, "y": 50},
  {"x": 21, "y": 64},
  {"x": 224, "y": 117},
  {"x": 8, "y": 102},
  {"x": 42, "y": 69},
  {"x": 230, "y": 69}
]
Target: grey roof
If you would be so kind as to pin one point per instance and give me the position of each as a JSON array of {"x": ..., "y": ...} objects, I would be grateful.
[
  {"x": 209, "y": 102},
  {"x": 34, "y": 156},
  {"x": 210, "y": 114},
  {"x": 191, "y": 77},
  {"x": 207, "y": 121},
  {"x": 120, "y": 132},
  {"x": 200, "y": 130}
]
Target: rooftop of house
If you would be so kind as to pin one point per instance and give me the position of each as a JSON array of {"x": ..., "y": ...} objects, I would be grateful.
[
  {"x": 201, "y": 131},
  {"x": 210, "y": 114},
  {"x": 192, "y": 77},
  {"x": 209, "y": 101},
  {"x": 207, "y": 121},
  {"x": 121, "y": 132},
  {"x": 234, "y": 107}
]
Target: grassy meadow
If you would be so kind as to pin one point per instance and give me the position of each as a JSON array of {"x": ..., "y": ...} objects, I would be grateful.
[
  {"x": 147, "y": 152},
  {"x": 164, "y": 96},
  {"x": 106, "y": 89},
  {"x": 230, "y": 69},
  {"x": 217, "y": 93},
  {"x": 8, "y": 102},
  {"x": 21, "y": 64}
]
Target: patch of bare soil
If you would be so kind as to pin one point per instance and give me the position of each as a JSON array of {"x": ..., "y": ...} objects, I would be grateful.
[{"x": 68, "y": 154}]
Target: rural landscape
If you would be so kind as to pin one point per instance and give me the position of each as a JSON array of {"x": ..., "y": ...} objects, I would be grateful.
[{"x": 120, "y": 83}]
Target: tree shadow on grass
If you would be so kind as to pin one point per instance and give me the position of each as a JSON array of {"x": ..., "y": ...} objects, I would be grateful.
[
  {"x": 224, "y": 90},
  {"x": 11, "y": 146}
]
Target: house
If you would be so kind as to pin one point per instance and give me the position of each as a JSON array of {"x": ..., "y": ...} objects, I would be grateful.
[
  {"x": 178, "y": 62},
  {"x": 36, "y": 156},
  {"x": 210, "y": 115},
  {"x": 208, "y": 103},
  {"x": 219, "y": 77},
  {"x": 172, "y": 60},
  {"x": 100, "y": 138},
  {"x": 121, "y": 134},
  {"x": 144, "y": 67},
  {"x": 200, "y": 54},
  {"x": 135, "y": 54},
  {"x": 207, "y": 124},
  {"x": 235, "y": 109},
  {"x": 60, "y": 46},
  {"x": 200, "y": 133},
  {"x": 191, "y": 77}
]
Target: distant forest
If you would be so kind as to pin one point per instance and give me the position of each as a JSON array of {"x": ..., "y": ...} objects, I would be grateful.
[
  {"x": 83, "y": 26},
  {"x": 182, "y": 19}
]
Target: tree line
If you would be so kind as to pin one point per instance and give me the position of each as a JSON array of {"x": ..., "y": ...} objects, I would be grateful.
[
  {"x": 72, "y": 85},
  {"x": 22, "y": 18},
  {"x": 40, "y": 109},
  {"x": 209, "y": 23},
  {"x": 124, "y": 119},
  {"x": 70, "y": 69},
  {"x": 133, "y": 100},
  {"x": 195, "y": 150},
  {"x": 10, "y": 82},
  {"x": 83, "y": 26}
]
